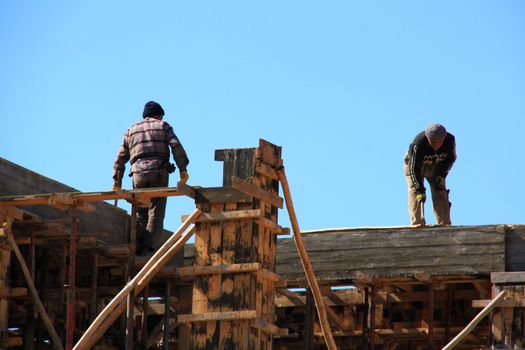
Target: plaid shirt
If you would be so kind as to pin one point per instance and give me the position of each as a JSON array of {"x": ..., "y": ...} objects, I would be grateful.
[{"x": 146, "y": 145}]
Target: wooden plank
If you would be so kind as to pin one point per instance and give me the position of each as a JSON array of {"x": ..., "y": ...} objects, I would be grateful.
[
  {"x": 57, "y": 343},
  {"x": 269, "y": 275},
  {"x": 238, "y": 162},
  {"x": 502, "y": 303},
  {"x": 255, "y": 191},
  {"x": 507, "y": 277},
  {"x": 472, "y": 324},
  {"x": 268, "y": 327},
  {"x": 12, "y": 212},
  {"x": 452, "y": 251},
  {"x": 71, "y": 198},
  {"x": 272, "y": 226},
  {"x": 7, "y": 292},
  {"x": 218, "y": 316},
  {"x": 218, "y": 269},
  {"x": 228, "y": 215},
  {"x": 312, "y": 281},
  {"x": 266, "y": 170},
  {"x": 211, "y": 195},
  {"x": 16, "y": 180},
  {"x": 137, "y": 284},
  {"x": 14, "y": 341},
  {"x": 269, "y": 153},
  {"x": 214, "y": 291},
  {"x": 227, "y": 303}
]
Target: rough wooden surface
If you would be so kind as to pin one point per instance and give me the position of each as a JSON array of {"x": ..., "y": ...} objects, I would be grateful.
[
  {"x": 348, "y": 254},
  {"x": 16, "y": 180}
]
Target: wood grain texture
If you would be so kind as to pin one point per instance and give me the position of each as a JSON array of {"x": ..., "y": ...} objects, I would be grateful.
[{"x": 341, "y": 255}]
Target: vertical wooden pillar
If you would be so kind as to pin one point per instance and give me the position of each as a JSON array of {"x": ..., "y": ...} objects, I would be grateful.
[
  {"x": 430, "y": 316},
  {"x": 130, "y": 302},
  {"x": 372, "y": 313},
  {"x": 234, "y": 309},
  {"x": 5, "y": 260},
  {"x": 167, "y": 316},
  {"x": 309, "y": 320},
  {"x": 507, "y": 321},
  {"x": 71, "y": 290}
]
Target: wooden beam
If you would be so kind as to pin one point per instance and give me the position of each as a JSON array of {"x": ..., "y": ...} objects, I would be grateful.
[
  {"x": 507, "y": 277},
  {"x": 218, "y": 316},
  {"x": 266, "y": 170},
  {"x": 57, "y": 344},
  {"x": 334, "y": 317},
  {"x": 272, "y": 226},
  {"x": 70, "y": 198},
  {"x": 211, "y": 195},
  {"x": 307, "y": 265},
  {"x": 472, "y": 324},
  {"x": 139, "y": 282},
  {"x": 7, "y": 292},
  {"x": 228, "y": 215},
  {"x": 502, "y": 303},
  {"x": 219, "y": 269},
  {"x": 257, "y": 192},
  {"x": 269, "y": 328}
]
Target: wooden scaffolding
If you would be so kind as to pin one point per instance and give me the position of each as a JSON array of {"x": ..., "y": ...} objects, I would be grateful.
[{"x": 69, "y": 277}]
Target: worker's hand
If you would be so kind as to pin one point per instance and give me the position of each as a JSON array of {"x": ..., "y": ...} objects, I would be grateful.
[
  {"x": 421, "y": 198},
  {"x": 440, "y": 183},
  {"x": 116, "y": 186},
  {"x": 184, "y": 177}
]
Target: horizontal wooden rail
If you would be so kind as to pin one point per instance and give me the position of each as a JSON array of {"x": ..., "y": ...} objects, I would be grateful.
[
  {"x": 139, "y": 282},
  {"x": 78, "y": 198},
  {"x": 481, "y": 315},
  {"x": 218, "y": 316}
]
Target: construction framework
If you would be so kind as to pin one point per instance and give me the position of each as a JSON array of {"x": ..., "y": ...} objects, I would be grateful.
[{"x": 69, "y": 278}]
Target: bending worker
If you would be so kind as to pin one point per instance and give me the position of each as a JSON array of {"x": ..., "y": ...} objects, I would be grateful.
[
  {"x": 146, "y": 145},
  {"x": 430, "y": 156}
]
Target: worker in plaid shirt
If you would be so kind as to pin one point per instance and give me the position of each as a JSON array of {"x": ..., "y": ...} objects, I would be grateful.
[{"x": 146, "y": 146}]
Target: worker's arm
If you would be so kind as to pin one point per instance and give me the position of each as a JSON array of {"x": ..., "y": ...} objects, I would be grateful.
[
  {"x": 179, "y": 154},
  {"x": 446, "y": 165},
  {"x": 119, "y": 166}
]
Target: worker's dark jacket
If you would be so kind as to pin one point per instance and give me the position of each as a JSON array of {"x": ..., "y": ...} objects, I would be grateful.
[
  {"x": 421, "y": 154},
  {"x": 146, "y": 145}
]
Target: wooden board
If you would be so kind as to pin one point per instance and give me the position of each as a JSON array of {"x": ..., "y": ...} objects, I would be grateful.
[{"x": 397, "y": 252}]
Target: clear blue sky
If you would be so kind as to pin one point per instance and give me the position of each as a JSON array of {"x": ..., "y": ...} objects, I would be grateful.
[{"x": 342, "y": 86}]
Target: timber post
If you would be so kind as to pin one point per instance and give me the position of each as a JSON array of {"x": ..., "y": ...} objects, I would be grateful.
[
  {"x": 235, "y": 251},
  {"x": 508, "y": 327}
]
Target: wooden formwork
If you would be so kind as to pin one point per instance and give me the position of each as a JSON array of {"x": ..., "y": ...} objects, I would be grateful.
[
  {"x": 235, "y": 251},
  {"x": 402, "y": 288}
]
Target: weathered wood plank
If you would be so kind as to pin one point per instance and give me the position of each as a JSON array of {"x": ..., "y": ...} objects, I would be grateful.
[
  {"x": 257, "y": 192},
  {"x": 16, "y": 180},
  {"x": 342, "y": 254},
  {"x": 268, "y": 327},
  {"x": 218, "y": 316},
  {"x": 507, "y": 277},
  {"x": 218, "y": 269},
  {"x": 210, "y": 195},
  {"x": 228, "y": 215}
]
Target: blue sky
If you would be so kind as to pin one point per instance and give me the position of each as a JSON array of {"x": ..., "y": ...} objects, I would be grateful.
[{"x": 342, "y": 86}]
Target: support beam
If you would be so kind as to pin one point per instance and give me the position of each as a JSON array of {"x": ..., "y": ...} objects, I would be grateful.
[
  {"x": 27, "y": 275},
  {"x": 139, "y": 282},
  {"x": 312, "y": 281},
  {"x": 472, "y": 324}
]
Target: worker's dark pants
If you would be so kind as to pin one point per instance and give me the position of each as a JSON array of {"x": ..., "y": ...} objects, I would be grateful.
[
  {"x": 150, "y": 221},
  {"x": 440, "y": 202}
]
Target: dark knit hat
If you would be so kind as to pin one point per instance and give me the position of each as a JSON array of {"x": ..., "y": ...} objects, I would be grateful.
[
  {"x": 435, "y": 132},
  {"x": 151, "y": 109}
]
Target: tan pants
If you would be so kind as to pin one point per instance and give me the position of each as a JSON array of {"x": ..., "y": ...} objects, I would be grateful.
[{"x": 440, "y": 203}]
